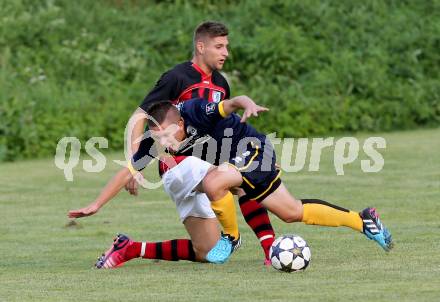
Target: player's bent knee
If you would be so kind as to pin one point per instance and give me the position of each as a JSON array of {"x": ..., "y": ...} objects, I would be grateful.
[
  {"x": 218, "y": 182},
  {"x": 200, "y": 251},
  {"x": 213, "y": 189},
  {"x": 200, "y": 256}
]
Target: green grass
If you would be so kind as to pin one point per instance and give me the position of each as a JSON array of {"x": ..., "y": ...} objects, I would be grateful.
[{"x": 42, "y": 260}]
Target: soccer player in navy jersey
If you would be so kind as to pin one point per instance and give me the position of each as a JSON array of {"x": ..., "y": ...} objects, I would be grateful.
[
  {"x": 200, "y": 78},
  {"x": 250, "y": 163}
]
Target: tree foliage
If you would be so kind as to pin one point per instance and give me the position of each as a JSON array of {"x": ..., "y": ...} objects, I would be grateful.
[{"x": 79, "y": 68}]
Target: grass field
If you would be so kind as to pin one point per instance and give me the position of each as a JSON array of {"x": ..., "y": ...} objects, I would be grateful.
[{"x": 43, "y": 260}]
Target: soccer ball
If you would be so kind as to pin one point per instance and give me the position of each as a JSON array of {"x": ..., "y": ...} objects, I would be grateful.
[{"x": 290, "y": 253}]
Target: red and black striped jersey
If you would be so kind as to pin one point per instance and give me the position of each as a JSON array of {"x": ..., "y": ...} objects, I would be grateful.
[
  {"x": 188, "y": 81},
  {"x": 183, "y": 82}
]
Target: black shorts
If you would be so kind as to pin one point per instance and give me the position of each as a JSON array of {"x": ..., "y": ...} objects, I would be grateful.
[{"x": 257, "y": 167}]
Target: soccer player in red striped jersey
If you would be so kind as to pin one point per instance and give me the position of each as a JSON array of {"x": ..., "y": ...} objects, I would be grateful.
[
  {"x": 206, "y": 244},
  {"x": 200, "y": 78}
]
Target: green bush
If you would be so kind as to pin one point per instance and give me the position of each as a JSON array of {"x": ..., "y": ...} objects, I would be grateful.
[{"x": 79, "y": 68}]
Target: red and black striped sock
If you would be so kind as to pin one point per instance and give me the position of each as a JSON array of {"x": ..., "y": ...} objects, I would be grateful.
[
  {"x": 257, "y": 218},
  {"x": 171, "y": 250}
]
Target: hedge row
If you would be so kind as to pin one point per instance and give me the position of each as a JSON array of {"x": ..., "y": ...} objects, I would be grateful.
[{"x": 79, "y": 68}]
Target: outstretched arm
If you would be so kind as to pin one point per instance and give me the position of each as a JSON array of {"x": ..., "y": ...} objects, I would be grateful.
[
  {"x": 110, "y": 190},
  {"x": 245, "y": 103},
  {"x": 136, "y": 126}
]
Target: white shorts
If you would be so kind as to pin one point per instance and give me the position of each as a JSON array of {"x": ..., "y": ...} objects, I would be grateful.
[{"x": 180, "y": 182}]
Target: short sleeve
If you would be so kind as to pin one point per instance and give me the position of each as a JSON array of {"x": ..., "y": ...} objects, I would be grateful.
[
  {"x": 146, "y": 153},
  {"x": 165, "y": 90},
  {"x": 203, "y": 113}
]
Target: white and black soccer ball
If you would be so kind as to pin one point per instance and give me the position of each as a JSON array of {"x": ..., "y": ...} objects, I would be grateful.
[{"x": 290, "y": 253}]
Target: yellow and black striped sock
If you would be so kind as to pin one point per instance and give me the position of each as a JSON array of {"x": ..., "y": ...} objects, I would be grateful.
[
  {"x": 224, "y": 209},
  {"x": 320, "y": 212}
]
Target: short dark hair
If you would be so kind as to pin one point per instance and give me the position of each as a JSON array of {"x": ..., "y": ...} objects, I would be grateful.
[
  {"x": 157, "y": 112},
  {"x": 211, "y": 29}
]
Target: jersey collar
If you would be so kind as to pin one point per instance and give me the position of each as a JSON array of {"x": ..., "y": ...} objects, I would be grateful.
[{"x": 205, "y": 77}]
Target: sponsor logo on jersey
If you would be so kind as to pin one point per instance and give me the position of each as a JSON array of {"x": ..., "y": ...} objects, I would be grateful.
[{"x": 210, "y": 108}]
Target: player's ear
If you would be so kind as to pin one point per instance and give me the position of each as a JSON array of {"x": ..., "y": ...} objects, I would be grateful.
[
  {"x": 181, "y": 123},
  {"x": 200, "y": 47}
]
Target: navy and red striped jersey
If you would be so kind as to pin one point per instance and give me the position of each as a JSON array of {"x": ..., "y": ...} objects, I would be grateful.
[
  {"x": 203, "y": 121},
  {"x": 203, "y": 118},
  {"x": 188, "y": 81}
]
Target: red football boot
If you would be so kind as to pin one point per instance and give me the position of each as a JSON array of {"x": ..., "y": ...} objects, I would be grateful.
[{"x": 115, "y": 256}]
